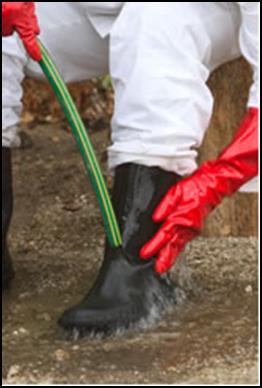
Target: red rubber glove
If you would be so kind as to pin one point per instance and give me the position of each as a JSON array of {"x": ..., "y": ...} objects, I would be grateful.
[
  {"x": 21, "y": 17},
  {"x": 188, "y": 203}
]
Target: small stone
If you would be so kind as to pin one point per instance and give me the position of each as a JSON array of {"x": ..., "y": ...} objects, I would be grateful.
[
  {"x": 23, "y": 331},
  {"x": 44, "y": 317},
  {"x": 72, "y": 206},
  {"x": 61, "y": 355},
  {"x": 249, "y": 289},
  {"x": 76, "y": 347},
  {"x": 13, "y": 371},
  {"x": 107, "y": 348}
]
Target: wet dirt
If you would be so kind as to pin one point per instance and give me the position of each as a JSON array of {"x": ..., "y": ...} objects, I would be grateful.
[{"x": 57, "y": 240}]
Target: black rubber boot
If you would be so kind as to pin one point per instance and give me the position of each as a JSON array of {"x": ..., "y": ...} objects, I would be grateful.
[
  {"x": 7, "y": 206},
  {"x": 127, "y": 291}
]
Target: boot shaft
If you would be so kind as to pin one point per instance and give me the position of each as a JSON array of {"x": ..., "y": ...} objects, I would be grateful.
[
  {"x": 7, "y": 205},
  {"x": 137, "y": 191},
  {"x": 7, "y": 196}
]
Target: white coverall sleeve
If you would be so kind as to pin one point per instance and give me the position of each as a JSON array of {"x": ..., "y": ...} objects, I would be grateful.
[{"x": 249, "y": 45}]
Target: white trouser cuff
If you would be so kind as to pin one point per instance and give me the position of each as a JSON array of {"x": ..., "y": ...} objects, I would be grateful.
[
  {"x": 179, "y": 165},
  {"x": 10, "y": 137}
]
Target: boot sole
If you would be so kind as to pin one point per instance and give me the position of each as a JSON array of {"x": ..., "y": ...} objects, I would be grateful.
[{"x": 141, "y": 313}]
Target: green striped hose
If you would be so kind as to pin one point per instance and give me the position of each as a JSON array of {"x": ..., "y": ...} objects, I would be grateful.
[{"x": 85, "y": 146}]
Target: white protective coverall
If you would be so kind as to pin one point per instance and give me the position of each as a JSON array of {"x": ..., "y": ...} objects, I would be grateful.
[{"x": 160, "y": 56}]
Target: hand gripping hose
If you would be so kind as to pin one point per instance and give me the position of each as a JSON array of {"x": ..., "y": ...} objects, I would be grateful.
[{"x": 85, "y": 146}]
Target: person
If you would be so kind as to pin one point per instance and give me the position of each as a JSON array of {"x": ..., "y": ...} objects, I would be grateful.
[{"x": 160, "y": 56}]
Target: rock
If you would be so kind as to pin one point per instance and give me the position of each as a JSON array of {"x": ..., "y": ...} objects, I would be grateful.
[
  {"x": 13, "y": 372},
  {"x": 61, "y": 355},
  {"x": 249, "y": 289}
]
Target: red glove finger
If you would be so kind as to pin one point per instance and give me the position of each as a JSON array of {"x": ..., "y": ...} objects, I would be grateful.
[
  {"x": 172, "y": 250},
  {"x": 28, "y": 30},
  {"x": 166, "y": 258},
  {"x": 30, "y": 42},
  {"x": 151, "y": 248},
  {"x": 167, "y": 204},
  {"x": 178, "y": 220},
  {"x": 165, "y": 233}
]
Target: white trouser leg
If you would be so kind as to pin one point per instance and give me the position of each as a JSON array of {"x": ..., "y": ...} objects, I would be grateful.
[
  {"x": 13, "y": 64},
  {"x": 162, "y": 54},
  {"x": 74, "y": 44}
]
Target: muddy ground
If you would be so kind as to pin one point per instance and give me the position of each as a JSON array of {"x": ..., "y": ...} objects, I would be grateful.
[{"x": 57, "y": 241}]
